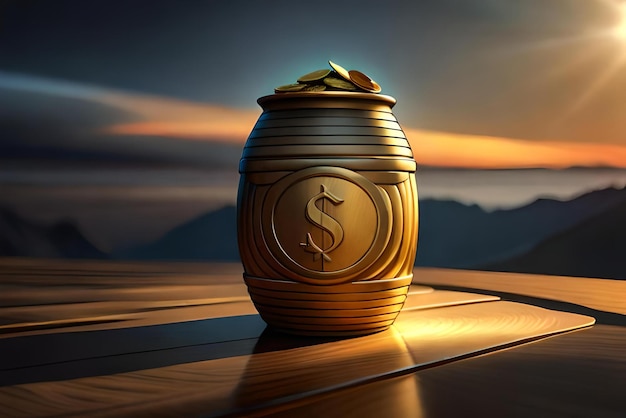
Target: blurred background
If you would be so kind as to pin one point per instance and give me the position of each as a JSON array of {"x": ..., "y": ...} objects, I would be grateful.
[{"x": 122, "y": 122}]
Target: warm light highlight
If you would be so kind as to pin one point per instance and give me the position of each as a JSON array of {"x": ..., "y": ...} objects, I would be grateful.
[{"x": 620, "y": 30}]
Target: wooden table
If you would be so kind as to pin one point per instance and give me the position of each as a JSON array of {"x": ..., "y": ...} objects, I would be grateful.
[{"x": 89, "y": 338}]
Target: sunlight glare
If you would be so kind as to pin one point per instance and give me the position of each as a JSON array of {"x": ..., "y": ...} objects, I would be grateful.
[
  {"x": 608, "y": 71},
  {"x": 620, "y": 31}
]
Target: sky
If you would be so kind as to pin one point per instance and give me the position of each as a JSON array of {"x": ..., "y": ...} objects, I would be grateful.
[{"x": 478, "y": 83}]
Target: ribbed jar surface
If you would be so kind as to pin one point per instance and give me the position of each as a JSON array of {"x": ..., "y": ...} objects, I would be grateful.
[{"x": 327, "y": 213}]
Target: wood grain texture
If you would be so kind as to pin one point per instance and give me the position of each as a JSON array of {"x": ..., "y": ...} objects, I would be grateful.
[
  {"x": 600, "y": 294},
  {"x": 44, "y": 296},
  {"x": 579, "y": 374},
  {"x": 191, "y": 344},
  {"x": 271, "y": 379}
]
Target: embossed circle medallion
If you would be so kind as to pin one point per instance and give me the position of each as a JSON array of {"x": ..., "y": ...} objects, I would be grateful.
[{"x": 325, "y": 225}]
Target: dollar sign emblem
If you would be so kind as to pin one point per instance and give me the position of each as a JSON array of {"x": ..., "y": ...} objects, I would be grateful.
[{"x": 324, "y": 221}]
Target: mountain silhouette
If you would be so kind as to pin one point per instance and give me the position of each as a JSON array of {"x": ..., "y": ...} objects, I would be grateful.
[
  {"x": 596, "y": 247},
  {"x": 23, "y": 238},
  {"x": 459, "y": 236},
  {"x": 451, "y": 234},
  {"x": 212, "y": 236}
]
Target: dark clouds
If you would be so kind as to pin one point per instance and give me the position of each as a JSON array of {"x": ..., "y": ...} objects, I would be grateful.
[
  {"x": 488, "y": 67},
  {"x": 38, "y": 127}
]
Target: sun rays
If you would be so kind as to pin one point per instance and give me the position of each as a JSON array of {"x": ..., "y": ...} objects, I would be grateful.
[
  {"x": 606, "y": 71},
  {"x": 586, "y": 63}
]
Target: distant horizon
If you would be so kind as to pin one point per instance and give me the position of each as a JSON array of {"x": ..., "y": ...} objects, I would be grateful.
[
  {"x": 122, "y": 204},
  {"x": 71, "y": 163},
  {"x": 451, "y": 236}
]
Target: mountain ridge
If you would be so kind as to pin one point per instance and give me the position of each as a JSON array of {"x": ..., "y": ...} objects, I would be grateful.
[
  {"x": 462, "y": 236},
  {"x": 595, "y": 247},
  {"x": 451, "y": 235},
  {"x": 23, "y": 238}
]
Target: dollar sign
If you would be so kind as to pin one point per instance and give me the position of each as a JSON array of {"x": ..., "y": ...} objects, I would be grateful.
[{"x": 324, "y": 221}]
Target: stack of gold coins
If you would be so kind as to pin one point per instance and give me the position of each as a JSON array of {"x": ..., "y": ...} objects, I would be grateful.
[{"x": 337, "y": 79}]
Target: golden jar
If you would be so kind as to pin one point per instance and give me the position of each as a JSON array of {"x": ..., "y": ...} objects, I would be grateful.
[{"x": 327, "y": 213}]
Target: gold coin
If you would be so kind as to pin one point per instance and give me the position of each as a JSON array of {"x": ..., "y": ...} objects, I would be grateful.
[
  {"x": 289, "y": 87},
  {"x": 314, "y": 76},
  {"x": 340, "y": 70},
  {"x": 314, "y": 87},
  {"x": 339, "y": 84},
  {"x": 363, "y": 81}
]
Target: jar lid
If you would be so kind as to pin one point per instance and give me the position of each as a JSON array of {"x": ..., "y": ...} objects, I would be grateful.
[{"x": 327, "y": 99}]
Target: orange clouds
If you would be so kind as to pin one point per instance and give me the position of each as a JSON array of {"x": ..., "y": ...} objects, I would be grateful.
[
  {"x": 473, "y": 151},
  {"x": 153, "y": 116},
  {"x": 197, "y": 121},
  {"x": 180, "y": 119}
]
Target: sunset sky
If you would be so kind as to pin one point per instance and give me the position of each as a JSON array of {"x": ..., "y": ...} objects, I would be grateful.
[{"x": 479, "y": 83}]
